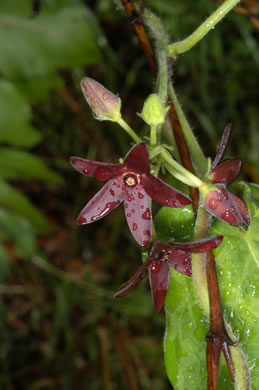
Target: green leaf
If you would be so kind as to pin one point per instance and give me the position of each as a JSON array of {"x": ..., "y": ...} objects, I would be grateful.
[
  {"x": 40, "y": 45},
  {"x": 15, "y": 116},
  {"x": 16, "y": 201},
  {"x": 19, "y": 231},
  {"x": 237, "y": 260},
  {"x": 175, "y": 224},
  {"x": 19, "y": 164}
]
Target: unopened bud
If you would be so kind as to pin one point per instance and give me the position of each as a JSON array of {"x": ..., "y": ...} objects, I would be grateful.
[
  {"x": 104, "y": 104},
  {"x": 153, "y": 112}
]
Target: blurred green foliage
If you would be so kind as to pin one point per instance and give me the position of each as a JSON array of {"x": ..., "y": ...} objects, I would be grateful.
[{"x": 60, "y": 327}]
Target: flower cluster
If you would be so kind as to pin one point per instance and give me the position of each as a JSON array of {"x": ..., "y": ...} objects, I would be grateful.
[{"x": 132, "y": 183}]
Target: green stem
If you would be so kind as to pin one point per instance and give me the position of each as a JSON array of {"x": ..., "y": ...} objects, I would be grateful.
[
  {"x": 180, "y": 47},
  {"x": 196, "y": 153},
  {"x": 153, "y": 137},
  {"x": 199, "y": 275},
  {"x": 180, "y": 172},
  {"x": 129, "y": 130},
  {"x": 161, "y": 41}
]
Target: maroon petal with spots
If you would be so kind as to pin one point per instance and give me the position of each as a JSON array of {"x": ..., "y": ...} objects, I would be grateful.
[
  {"x": 138, "y": 158},
  {"x": 204, "y": 245},
  {"x": 222, "y": 146},
  {"x": 135, "y": 280},
  {"x": 159, "y": 280},
  {"x": 242, "y": 208},
  {"x": 163, "y": 193},
  {"x": 107, "y": 199},
  {"x": 98, "y": 170},
  {"x": 226, "y": 171},
  {"x": 181, "y": 261},
  {"x": 222, "y": 205},
  {"x": 137, "y": 207}
]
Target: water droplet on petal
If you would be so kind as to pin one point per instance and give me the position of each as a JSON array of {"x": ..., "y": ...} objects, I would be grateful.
[
  {"x": 228, "y": 217},
  {"x": 133, "y": 211},
  {"x": 112, "y": 192},
  {"x": 146, "y": 215},
  {"x": 81, "y": 220},
  {"x": 213, "y": 203},
  {"x": 141, "y": 196},
  {"x": 107, "y": 208},
  {"x": 126, "y": 205},
  {"x": 155, "y": 266},
  {"x": 135, "y": 226},
  {"x": 129, "y": 215},
  {"x": 146, "y": 243}
]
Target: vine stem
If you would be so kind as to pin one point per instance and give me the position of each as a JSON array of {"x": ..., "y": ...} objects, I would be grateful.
[
  {"x": 182, "y": 46},
  {"x": 241, "y": 371},
  {"x": 183, "y": 174},
  {"x": 129, "y": 130},
  {"x": 193, "y": 146},
  {"x": 220, "y": 335}
]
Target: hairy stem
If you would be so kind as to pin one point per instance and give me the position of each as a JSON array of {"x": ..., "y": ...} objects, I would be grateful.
[
  {"x": 180, "y": 47},
  {"x": 193, "y": 146},
  {"x": 129, "y": 130},
  {"x": 182, "y": 174},
  {"x": 206, "y": 286}
]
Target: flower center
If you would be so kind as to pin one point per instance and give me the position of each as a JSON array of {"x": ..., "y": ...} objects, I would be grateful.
[
  {"x": 130, "y": 180},
  {"x": 163, "y": 256}
]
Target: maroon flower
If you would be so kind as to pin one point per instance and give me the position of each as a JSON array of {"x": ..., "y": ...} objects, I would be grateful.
[
  {"x": 130, "y": 182},
  {"x": 163, "y": 255},
  {"x": 218, "y": 201}
]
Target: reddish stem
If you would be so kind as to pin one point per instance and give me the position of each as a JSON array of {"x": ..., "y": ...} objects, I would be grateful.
[{"x": 217, "y": 337}]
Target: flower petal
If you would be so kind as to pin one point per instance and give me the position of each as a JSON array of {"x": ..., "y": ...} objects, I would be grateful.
[
  {"x": 242, "y": 208},
  {"x": 181, "y": 261},
  {"x": 222, "y": 146},
  {"x": 100, "y": 99},
  {"x": 134, "y": 280},
  {"x": 223, "y": 206},
  {"x": 138, "y": 158},
  {"x": 203, "y": 245},
  {"x": 107, "y": 199},
  {"x": 226, "y": 171},
  {"x": 163, "y": 193},
  {"x": 137, "y": 207},
  {"x": 159, "y": 280},
  {"x": 98, "y": 170}
]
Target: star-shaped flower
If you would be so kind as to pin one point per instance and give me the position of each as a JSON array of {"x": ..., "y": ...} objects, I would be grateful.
[
  {"x": 163, "y": 255},
  {"x": 131, "y": 183},
  {"x": 218, "y": 201}
]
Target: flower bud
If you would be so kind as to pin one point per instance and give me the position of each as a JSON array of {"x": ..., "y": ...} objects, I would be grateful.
[
  {"x": 104, "y": 104},
  {"x": 153, "y": 112}
]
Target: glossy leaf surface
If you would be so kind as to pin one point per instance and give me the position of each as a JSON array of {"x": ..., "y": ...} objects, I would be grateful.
[{"x": 237, "y": 260}]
